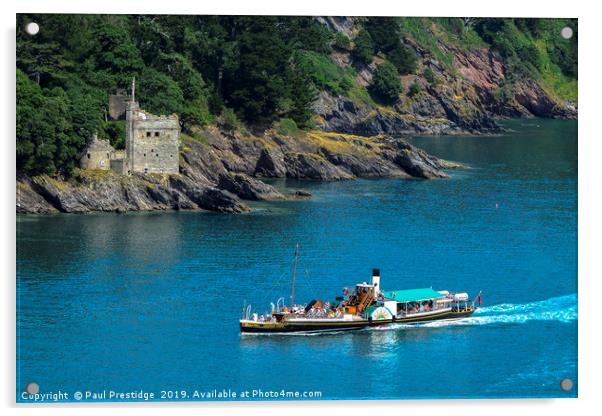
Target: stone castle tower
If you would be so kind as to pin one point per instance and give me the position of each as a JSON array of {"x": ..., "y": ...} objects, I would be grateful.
[
  {"x": 97, "y": 155},
  {"x": 151, "y": 142}
]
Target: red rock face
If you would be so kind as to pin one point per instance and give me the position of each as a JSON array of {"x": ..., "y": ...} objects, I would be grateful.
[{"x": 481, "y": 67}]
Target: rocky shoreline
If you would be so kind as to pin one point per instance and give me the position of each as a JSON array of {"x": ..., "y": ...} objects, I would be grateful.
[
  {"x": 220, "y": 169},
  {"x": 467, "y": 90}
]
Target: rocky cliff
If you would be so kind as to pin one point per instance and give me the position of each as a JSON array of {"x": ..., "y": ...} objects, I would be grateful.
[
  {"x": 465, "y": 94},
  {"x": 219, "y": 169}
]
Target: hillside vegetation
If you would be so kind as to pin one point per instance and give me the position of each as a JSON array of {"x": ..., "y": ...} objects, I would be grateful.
[{"x": 292, "y": 73}]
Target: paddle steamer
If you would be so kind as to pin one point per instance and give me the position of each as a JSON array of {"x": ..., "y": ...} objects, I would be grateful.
[{"x": 367, "y": 305}]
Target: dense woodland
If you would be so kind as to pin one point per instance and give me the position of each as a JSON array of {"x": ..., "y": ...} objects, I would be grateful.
[{"x": 252, "y": 71}]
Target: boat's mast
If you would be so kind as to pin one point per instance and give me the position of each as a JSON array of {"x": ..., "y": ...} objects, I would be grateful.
[{"x": 294, "y": 276}]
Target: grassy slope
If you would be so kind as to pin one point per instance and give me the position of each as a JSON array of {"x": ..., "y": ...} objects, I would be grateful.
[{"x": 430, "y": 33}]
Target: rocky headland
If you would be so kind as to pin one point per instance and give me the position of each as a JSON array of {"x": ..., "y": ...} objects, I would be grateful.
[
  {"x": 220, "y": 169},
  {"x": 455, "y": 88}
]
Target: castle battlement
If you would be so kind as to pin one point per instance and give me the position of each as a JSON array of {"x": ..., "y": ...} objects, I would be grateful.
[{"x": 151, "y": 141}]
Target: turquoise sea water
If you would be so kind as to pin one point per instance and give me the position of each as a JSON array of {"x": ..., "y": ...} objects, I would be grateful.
[{"x": 151, "y": 301}]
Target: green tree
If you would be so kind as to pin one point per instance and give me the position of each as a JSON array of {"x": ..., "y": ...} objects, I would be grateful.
[
  {"x": 430, "y": 77},
  {"x": 363, "y": 49},
  {"x": 384, "y": 31},
  {"x": 180, "y": 69},
  {"x": 41, "y": 60},
  {"x": 302, "y": 93},
  {"x": 403, "y": 58},
  {"x": 305, "y": 33},
  {"x": 159, "y": 93},
  {"x": 116, "y": 53},
  {"x": 386, "y": 85},
  {"x": 45, "y": 141},
  {"x": 414, "y": 89},
  {"x": 256, "y": 85}
]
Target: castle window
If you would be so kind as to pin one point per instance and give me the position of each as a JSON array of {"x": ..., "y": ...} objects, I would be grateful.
[
  {"x": 152, "y": 150},
  {"x": 107, "y": 155},
  {"x": 156, "y": 134},
  {"x": 88, "y": 155},
  {"x": 145, "y": 155},
  {"x": 148, "y": 134}
]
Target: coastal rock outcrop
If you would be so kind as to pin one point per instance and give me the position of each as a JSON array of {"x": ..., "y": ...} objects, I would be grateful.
[
  {"x": 247, "y": 187},
  {"x": 110, "y": 192},
  {"x": 221, "y": 168}
]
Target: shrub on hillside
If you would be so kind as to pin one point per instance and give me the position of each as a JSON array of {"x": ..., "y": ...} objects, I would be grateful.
[
  {"x": 403, "y": 58},
  {"x": 386, "y": 85},
  {"x": 414, "y": 89},
  {"x": 364, "y": 47},
  {"x": 341, "y": 41}
]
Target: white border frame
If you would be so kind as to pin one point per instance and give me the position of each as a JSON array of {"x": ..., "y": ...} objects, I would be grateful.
[{"x": 589, "y": 211}]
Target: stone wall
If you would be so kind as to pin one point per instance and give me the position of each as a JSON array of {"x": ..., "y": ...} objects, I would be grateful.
[
  {"x": 97, "y": 155},
  {"x": 95, "y": 160},
  {"x": 119, "y": 166},
  {"x": 155, "y": 148}
]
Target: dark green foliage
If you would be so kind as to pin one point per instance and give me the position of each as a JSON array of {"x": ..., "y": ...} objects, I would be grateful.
[
  {"x": 159, "y": 93},
  {"x": 303, "y": 93},
  {"x": 563, "y": 52},
  {"x": 42, "y": 61},
  {"x": 304, "y": 33},
  {"x": 386, "y": 38},
  {"x": 384, "y": 32},
  {"x": 250, "y": 68},
  {"x": 341, "y": 42},
  {"x": 256, "y": 85},
  {"x": 516, "y": 40},
  {"x": 403, "y": 58},
  {"x": 529, "y": 53},
  {"x": 386, "y": 85},
  {"x": 430, "y": 77},
  {"x": 180, "y": 69},
  {"x": 193, "y": 66},
  {"x": 45, "y": 139},
  {"x": 364, "y": 48},
  {"x": 115, "y": 131},
  {"x": 414, "y": 89},
  {"x": 229, "y": 120},
  {"x": 116, "y": 53}
]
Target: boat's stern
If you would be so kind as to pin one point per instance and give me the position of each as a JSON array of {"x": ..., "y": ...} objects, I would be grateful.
[{"x": 258, "y": 327}]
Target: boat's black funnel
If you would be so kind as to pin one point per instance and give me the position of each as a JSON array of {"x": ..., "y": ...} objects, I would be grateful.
[
  {"x": 309, "y": 305},
  {"x": 376, "y": 279}
]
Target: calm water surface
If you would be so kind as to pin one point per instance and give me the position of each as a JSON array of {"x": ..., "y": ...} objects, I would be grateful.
[{"x": 152, "y": 300}]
